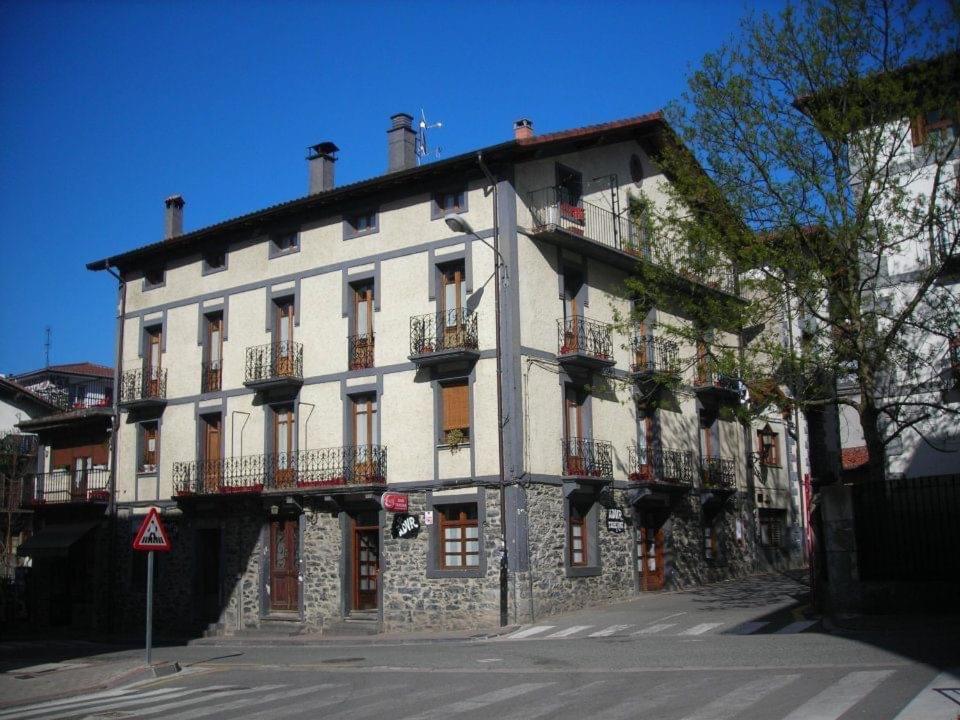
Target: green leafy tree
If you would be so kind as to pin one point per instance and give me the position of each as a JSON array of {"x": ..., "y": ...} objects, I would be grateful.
[{"x": 793, "y": 163}]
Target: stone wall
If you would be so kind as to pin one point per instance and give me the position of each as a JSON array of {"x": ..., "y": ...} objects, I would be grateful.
[{"x": 320, "y": 562}]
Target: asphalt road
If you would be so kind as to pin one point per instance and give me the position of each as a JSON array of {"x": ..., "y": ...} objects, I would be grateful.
[{"x": 748, "y": 649}]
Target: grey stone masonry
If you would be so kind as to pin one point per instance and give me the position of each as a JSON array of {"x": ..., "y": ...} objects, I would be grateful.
[{"x": 320, "y": 560}]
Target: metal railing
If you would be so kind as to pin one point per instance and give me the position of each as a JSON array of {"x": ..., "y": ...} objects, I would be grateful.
[
  {"x": 674, "y": 467},
  {"x": 555, "y": 207},
  {"x": 78, "y": 396},
  {"x": 577, "y": 334},
  {"x": 587, "y": 458},
  {"x": 706, "y": 375},
  {"x": 360, "y": 348},
  {"x": 652, "y": 354},
  {"x": 718, "y": 473},
  {"x": 948, "y": 241},
  {"x": 146, "y": 384},
  {"x": 324, "y": 468},
  {"x": 64, "y": 486},
  {"x": 211, "y": 376},
  {"x": 274, "y": 361},
  {"x": 446, "y": 330}
]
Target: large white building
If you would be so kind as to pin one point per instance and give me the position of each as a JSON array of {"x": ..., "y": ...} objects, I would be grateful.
[{"x": 280, "y": 370}]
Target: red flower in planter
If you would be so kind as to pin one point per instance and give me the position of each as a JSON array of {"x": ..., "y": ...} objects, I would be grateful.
[
  {"x": 572, "y": 212},
  {"x": 99, "y": 495}
]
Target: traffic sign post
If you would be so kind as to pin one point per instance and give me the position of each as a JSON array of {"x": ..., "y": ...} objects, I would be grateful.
[{"x": 151, "y": 537}]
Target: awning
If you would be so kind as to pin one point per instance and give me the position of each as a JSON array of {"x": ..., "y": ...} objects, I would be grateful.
[{"x": 54, "y": 540}]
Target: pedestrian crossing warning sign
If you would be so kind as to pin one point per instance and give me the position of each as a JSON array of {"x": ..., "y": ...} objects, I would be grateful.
[{"x": 152, "y": 535}]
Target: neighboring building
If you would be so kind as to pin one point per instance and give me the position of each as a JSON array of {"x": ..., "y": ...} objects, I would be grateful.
[
  {"x": 273, "y": 363},
  {"x": 68, "y": 497}
]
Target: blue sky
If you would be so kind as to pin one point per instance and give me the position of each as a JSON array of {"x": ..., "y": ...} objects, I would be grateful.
[{"x": 108, "y": 108}]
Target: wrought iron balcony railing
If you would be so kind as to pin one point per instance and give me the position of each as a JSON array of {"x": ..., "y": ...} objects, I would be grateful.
[
  {"x": 718, "y": 473},
  {"x": 708, "y": 377},
  {"x": 352, "y": 465},
  {"x": 80, "y": 485},
  {"x": 586, "y": 458},
  {"x": 948, "y": 242},
  {"x": 143, "y": 386},
  {"x": 96, "y": 393},
  {"x": 672, "y": 467},
  {"x": 211, "y": 376},
  {"x": 577, "y": 335},
  {"x": 360, "y": 348},
  {"x": 274, "y": 361},
  {"x": 555, "y": 208},
  {"x": 448, "y": 330},
  {"x": 654, "y": 355}
]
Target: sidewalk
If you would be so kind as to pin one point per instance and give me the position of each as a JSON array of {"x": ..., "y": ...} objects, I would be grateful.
[
  {"x": 419, "y": 638},
  {"x": 909, "y": 624}
]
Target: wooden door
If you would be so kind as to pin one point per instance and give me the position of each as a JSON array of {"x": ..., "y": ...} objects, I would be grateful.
[
  {"x": 283, "y": 352},
  {"x": 284, "y": 461},
  {"x": 284, "y": 565},
  {"x": 78, "y": 485},
  {"x": 212, "y": 379},
  {"x": 453, "y": 301},
  {"x": 212, "y": 457},
  {"x": 366, "y": 566},
  {"x": 152, "y": 370},
  {"x": 362, "y": 327},
  {"x": 365, "y": 438},
  {"x": 572, "y": 331},
  {"x": 573, "y": 431},
  {"x": 645, "y": 465},
  {"x": 650, "y": 558},
  {"x": 641, "y": 355}
]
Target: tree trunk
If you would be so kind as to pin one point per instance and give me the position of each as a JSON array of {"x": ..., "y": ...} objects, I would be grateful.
[{"x": 870, "y": 422}]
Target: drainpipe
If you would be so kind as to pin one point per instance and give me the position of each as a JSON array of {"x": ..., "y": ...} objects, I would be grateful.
[
  {"x": 233, "y": 425},
  {"x": 504, "y": 571},
  {"x": 114, "y": 431}
]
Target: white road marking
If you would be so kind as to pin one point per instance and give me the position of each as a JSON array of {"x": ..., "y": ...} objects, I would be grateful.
[
  {"x": 567, "y": 632},
  {"x": 606, "y": 632},
  {"x": 934, "y": 701},
  {"x": 796, "y": 627},
  {"x": 535, "y": 630},
  {"x": 736, "y": 701},
  {"x": 206, "y": 696},
  {"x": 21, "y": 709},
  {"x": 841, "y": 696},
  {"x": 748, "y": 628},
  {"x": 247, "y": 702},
  {"x": 700, "y": 629},
  {"x": 480, "y": 701},
  {"x": 391, "y": 705},
  {"x": 309, "y": 707},
  {"x": 654, "y": 629},
  {"x": 74, "y": 705},
  {"x": 490, "y": 660},
  {"x": 557, "y": 702}
]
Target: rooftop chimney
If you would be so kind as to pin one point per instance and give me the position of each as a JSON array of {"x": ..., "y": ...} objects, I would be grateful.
[
  {"x": 523, "y": 129},
  {"x": 401, "y": 143},
  {"x": 173, "y": 217},
  {"x": 320, "y": 160}
]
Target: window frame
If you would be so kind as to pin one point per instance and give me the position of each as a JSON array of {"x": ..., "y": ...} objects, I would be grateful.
[
  {"x": 213, "y": 323},
  {"x": 768, "y": 459},
  {"x": 772, "y": 529},
  {"x": 149, "y": 284},
  {"x": 147, "y": 431},
  {"x": 350, "y": 222},
  {"x": 588, "y": 509},
  {"x": 207, "y": 268},
  {"x": 435, "y": 546},
  {"x": 462, "y": 522},
  {"x": 278, "y": 243},
  {"x": 438, "y": 212},
  {"x": 442, "y": 429}
]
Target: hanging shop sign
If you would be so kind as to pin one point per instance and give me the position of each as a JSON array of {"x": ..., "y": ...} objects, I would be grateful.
[
  {"x": 615, "y": 521},
  {"x": 405, "y": 527},
  {"x": 394, "y": 502}
]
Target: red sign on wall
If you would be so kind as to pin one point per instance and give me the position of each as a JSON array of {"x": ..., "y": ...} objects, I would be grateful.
[{"x": 394, "y": 502}]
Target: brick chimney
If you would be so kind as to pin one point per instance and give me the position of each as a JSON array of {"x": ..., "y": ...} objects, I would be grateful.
[
  {"x": 173, "y": 217},
  {"x": 401, "y": 143},
  {"x": 523, "y": 129},
  {"x": 320, "y": 160}
]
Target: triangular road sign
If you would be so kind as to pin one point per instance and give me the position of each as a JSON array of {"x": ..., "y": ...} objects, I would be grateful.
[{"x": 152, "y": 535}]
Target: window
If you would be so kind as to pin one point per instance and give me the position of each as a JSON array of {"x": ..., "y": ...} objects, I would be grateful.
[
  {"x": 455, "y": 412},
  {"x": 152, "y": 355},
  {"x": 210, "y": 454},
  {"x": 460, "y": 535},
  {"x": 710, "y": 549},
  {"x": 574, "y": 339},
  {"x": 149, "y": 447},
  {"x": 285, "y": 243},
  {"x": 448, "y": 202},
  {"x": 577, "y": 536},
  {"x": 211, "y": 378},
  {"x": 576, "y": 459},
  {"x": 361, "y": 339},
  {"x": 153, "y": 277},
  {"x": 283, "y": 446},
  {"x": 366, "y": 467},
  {"x": 932, "y": 121},
  {"x": 283, "y": 354},
  {"x": 453, "y": 294},
  {"x": 570, "y": 187},
  {"x": 645, "y": 464},
  {"x": 214, "y": 261},
  {"x": 363, "y": 223},
  {"x": 768, "y": 446},
  {"x": 771, "y": 529}
]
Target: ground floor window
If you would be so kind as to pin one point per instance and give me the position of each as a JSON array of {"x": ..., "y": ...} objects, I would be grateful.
[
  {"x": 710, "y": 545},
  {"x": 771, "y": 530},
  {"x": 459, "y": 533},
  {"x": 582, "y": 551}
]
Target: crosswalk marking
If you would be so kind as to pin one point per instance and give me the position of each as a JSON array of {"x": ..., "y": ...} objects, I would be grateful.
[
  {"x": 738, "y": 700},
  {"x": 700, "y": 629},
  {"x": 200, "y": 695},
  {"x": 840, "y": 697},
  {"x": 796, "y": 627},
  {"x": 246, "y": 702},
  {"x": 309, "y": 707},
  {"x": 606, "y": 632},
  {"x": 654, "y": 629},
  {"x": 748, "y": 628},
  {"x": 557, "y": 702},
  {"x": 205, "y": 697},
  {"x": 569, "y": 631},
  {"x": 934, "y": 701},
  {"x": 82, "y": 702},
  {"x": 480, "y": 701},
  {"x": 389, "y": 705},
  {"x": 20, "y": 711},
  {"x": 535, "y": 630}
]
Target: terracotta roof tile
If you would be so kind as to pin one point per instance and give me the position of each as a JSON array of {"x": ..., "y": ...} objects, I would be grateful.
[{"x": 854, "y": 457}]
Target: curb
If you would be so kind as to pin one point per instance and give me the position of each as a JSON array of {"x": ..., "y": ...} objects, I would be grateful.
[{"x": 232, "y": 640}]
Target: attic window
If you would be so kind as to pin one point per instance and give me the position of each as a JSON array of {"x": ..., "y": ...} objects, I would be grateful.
[
  {"x": 214, "y": 261},
  {"x": 932, "y": 121},
  {"x": 359, "y": 224},
  {"x": 153, "y": 277},
  {"x": 285, "y": 243}
]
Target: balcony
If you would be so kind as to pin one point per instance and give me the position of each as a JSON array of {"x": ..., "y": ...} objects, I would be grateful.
[
  {"x": 211, "y": 377},
  {"x": 580, "y": 226},
  {"x": 656, "y": 360},
  {"x": 88, "y": 485},
  {"x": 585, "y": 459},
  {"x": 675, "y": 468},
  {"x": 143, "y": 389},
  {"x": 274, "y": 366},
  {"x": 948, "y": 246},
  {"x": 444, "y": 337},
  {"x": 710, "y": 383},
  {"x": 90, "y": 395},
  {"x": 325, "y": 469},
  {"x": 718, "y": 473},
  {"x": 584, "y": 343},
  {"x": 360, "y": 348}
]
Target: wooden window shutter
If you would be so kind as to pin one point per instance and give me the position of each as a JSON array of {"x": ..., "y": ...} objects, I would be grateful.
[
  {"x": 916, "y": 130},
  {"x": 456, "y": 408}
]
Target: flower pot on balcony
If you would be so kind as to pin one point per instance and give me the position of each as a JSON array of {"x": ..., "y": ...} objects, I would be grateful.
[
  {"x": 99, "y": 496},
  {"x": 575, "y": 466}
]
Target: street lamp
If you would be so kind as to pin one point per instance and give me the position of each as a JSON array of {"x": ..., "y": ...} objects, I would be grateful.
[{"x": 459, "y": 224}]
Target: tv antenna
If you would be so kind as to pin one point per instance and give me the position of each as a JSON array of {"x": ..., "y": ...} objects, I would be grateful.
[
  {"x": 46, "y": 345},
  {"x": 423, "y": 149}
]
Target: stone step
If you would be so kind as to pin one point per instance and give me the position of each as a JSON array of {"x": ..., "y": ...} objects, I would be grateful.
[{"x": 354, "y": 624}]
